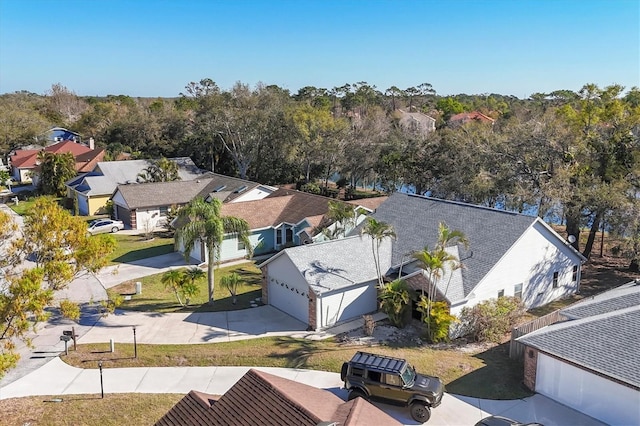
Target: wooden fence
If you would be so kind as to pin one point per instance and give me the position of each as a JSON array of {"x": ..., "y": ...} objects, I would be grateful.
[{"x": 516, "y": 349}]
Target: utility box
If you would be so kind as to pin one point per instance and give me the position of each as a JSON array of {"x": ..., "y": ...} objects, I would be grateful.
[{"x": 138, "y": 287}]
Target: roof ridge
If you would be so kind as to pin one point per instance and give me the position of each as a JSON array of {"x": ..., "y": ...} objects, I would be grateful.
[{"x": 464, "y": 204}]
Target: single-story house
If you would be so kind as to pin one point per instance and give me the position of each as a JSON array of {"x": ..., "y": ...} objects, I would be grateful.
[
  {"x": 284, "y": 218},
  {"x": 24, "y": 162},
  {"x": 92, "y": 190},
  {"x": 466, "y": 117},
  {"x": 146, "y": 204},
  {"x": 325, "y": 283},
  {"x": 591, "y": 361},
  {"x": 260, "y": 398},
  {"x": 509, "y": 254}
]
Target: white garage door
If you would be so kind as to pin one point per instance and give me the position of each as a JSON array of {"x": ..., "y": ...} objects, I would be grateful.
[
  {"x": 588, "y": 393},
  {"x": 287, "y": 299}
]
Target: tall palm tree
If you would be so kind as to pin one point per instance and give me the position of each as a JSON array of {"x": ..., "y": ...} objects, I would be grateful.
[
  {"x": 202, "y": 221},
  {"x": 378, "y": 231},
  {"x": 436, "y": 261}
]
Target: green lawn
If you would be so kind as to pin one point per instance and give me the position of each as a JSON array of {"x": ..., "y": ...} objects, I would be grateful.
[
  {"x": 136, "y": 247},
  {"x": 155, "y": 298},
  {"x": 487, "y": 374}
]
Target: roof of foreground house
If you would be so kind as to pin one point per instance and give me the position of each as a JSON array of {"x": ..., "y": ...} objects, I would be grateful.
[
  {"x": 604, "y": 339},
  {"x": 260, "y": 398},
  {"x": 335, "y": 264},
  {"x": 415, "y": 219}
]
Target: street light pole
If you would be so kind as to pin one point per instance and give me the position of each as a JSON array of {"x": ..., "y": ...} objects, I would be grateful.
[
  {"x": 135, "y": 343},
  {"x": 101, "y": 384}
]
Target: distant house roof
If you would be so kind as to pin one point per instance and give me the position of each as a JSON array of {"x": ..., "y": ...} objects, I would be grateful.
[
  {"x": 107, "y": 175},
  {"x": 154, "y": 194},
  {"x": 86, "y": 158},
  {"x": 260, "y": 398},
  {"x": 604, "y": 339},
  {"x": 415, "y": 219},
  {"x": 325, "y": 266},
  {"x": 465, "y": 117},
  {"x": 369, "y": 203},
  {"x": 282, "y": 206}
]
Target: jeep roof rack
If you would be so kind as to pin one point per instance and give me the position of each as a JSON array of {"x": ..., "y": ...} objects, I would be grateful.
[{"x": 379, "y": 362}]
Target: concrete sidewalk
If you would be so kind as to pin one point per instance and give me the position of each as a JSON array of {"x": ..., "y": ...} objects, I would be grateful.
[{"x": 59, "y": 379}]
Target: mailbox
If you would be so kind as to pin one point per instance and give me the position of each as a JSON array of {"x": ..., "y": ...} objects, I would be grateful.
[
  {"x": 65, "y": 338},
  {"x": 67, "y": 333}
]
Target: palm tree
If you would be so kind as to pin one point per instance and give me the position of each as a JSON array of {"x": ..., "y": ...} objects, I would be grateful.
[
  {"x": 342, "y": 216},
  {"x": 436, "y": 261},
  {"x": 378, "y": 231},
  {"x": 202, "y": 221},
  {"x": 191, "y": 289},
  {"x": 173, "y": 280},
  {"x": 231, "y": 283}
]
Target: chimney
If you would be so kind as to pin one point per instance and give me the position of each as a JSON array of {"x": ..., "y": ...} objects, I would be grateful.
[{"x": 92, "y": 144}]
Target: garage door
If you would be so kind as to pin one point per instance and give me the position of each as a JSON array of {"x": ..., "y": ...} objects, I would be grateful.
[
  {"x": 347, "y": 304},
  {"x": 586, "y": 392},
  {"x": 290, "y": 300}
]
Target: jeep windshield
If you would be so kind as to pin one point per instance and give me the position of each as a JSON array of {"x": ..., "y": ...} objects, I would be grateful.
[{"x": 408, "y": 376}]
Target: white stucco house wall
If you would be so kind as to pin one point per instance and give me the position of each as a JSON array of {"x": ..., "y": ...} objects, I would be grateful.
[
  {"x": 321, "y": 286},
  {"x": 590, "y": 362}
]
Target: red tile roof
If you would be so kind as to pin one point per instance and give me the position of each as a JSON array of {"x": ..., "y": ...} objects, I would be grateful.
[
  {"x": 469, "y": 116},
  {"x": 86, "y": 158},
  {"x": 260, "y": 398}
]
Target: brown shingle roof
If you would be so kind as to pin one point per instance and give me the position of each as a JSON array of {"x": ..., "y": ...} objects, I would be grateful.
[
  {"x": 260, "y": 398},
  {"x": 369, "y": 203},
  {"x": 281, "y": 206},
  {"x": 155, "y": 194}
]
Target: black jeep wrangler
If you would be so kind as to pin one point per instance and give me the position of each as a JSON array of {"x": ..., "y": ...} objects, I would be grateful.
[{"x": 392, "y": 381}]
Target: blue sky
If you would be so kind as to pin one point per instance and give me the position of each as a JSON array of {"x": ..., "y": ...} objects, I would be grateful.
[{"x": 154, "y": 48}]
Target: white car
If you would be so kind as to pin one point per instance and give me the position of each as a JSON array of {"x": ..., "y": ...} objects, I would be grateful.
[{"x": 99, "y": 226}]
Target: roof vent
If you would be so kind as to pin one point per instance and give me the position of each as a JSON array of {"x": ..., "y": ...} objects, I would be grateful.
[
  {"x": 219, "y": 188},
  {"x": 241, "y": 189}
]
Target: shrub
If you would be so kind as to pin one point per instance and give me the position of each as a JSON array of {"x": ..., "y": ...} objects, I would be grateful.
[
  {"x": 439, "y": 321},
  {"x": 369, "y": 324},
  {"x": 491, "y": 319},
  {"x": 70, "y": 310}
]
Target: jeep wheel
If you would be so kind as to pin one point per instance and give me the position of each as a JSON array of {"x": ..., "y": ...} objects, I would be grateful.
[
  {"x": 420, "y": 412},
  {"x": 354, "y": 393},
  {"x": 343, "y": 371}
]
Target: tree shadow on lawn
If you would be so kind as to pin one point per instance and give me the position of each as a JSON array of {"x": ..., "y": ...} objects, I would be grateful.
[
  {"x": 144, "y": 253},
  {"x": 243, "y": 301},
  {"x": 301, "y": 350},
  {"x": 499, "y": 378}
]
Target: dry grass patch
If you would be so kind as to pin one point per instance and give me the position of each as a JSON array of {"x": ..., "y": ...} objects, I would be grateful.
[{"x": 90, "y": 410}]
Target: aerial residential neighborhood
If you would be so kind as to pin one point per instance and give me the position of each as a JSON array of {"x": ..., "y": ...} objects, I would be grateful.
[{"x": 319, "y": 213}]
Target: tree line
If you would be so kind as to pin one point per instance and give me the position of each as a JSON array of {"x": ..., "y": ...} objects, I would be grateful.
[{"x": 571, "y": 155}]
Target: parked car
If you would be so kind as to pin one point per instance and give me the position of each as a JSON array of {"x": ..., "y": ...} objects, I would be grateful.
[
  {"x": 99, "y": 226},
  {"x": 502, "y": 421},
  {"x": 392, "y": 381}
]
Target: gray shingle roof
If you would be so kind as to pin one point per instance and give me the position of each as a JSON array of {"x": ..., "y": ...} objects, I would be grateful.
[
  {"x": 607, "y": 343},
  {"x": 490, "y": 232},
  {"x": 161, "y": 193},
  {"x": 625, "y": 296},
  {"x": 336, "y": 264},
  {"x": 114, "y": 173}
]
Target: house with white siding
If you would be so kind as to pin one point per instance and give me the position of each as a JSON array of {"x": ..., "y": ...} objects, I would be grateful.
[
  {"x": 591, "y": 361},
  {"x": 509, "y": 254}
]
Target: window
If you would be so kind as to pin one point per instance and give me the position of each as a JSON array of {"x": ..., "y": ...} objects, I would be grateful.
[
  {"x": 574, "y": 277},
  {"x": 289, "y": 235},
  {"x": 501, "y": 293},
  {"x": 555, "y": 280},
  {"x": 374, "y": 376},
  {"x": 392, "y": 379},
  {"x": 241, "y": 245},
  {"x": 359, "y": 372},
  {"x": 279, "y": 237},
  {"x": 517, "y": 291},
  {"x": 163, "y": 211}
]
